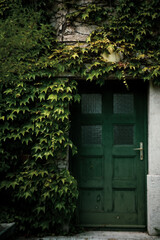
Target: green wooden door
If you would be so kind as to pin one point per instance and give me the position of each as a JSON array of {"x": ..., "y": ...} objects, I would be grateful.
[{"x": 108, "y": 125}]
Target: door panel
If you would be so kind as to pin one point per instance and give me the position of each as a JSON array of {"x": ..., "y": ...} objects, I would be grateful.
[{"x": 106, "y": 127}]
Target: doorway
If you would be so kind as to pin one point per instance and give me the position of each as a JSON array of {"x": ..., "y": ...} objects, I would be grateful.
[{"x": 109, "y": 129}]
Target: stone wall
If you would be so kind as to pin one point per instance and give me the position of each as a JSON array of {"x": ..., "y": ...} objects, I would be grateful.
[{"x": 76, "y": 31}]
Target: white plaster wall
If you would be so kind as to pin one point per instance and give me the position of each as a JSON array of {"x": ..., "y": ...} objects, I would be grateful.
[
  {"x": 153, "y": 177},
  {"x": 154, "y": 130}
]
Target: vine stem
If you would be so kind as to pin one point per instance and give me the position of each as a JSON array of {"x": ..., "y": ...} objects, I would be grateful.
[{"x": 124, "y": 80}]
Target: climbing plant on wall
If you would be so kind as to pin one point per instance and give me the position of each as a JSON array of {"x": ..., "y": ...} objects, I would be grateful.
[
  {"x": 34, "y": 100},
  {"x": 129, "y": 29},
  {"x": 34, "y": 124}
]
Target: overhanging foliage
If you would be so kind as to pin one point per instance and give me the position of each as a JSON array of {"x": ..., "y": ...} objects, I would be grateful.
[{"x": 131, "y": 28}]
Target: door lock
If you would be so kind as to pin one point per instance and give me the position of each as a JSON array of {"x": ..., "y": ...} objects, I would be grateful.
[{"x": 141, "y": 150}]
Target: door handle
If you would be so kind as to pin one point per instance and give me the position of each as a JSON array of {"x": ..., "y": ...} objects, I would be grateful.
[{"x": 141, "y": 150}]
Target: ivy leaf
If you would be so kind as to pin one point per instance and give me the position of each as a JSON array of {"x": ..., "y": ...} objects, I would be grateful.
[
  {"x": 43, "y": 140},
  {"x": 2, "y": 118},
  {"x": 52, "y": 97},
  {"x": 14, "y": 184},
  {"x": 41, "y": 96},
  {"x": 45, "y": 225},
  {"x": 138, "y": 37},
  {"x": 46, "y": 113},
  {"x": 85, "y": 15},
  {"x": 59, "y": 206},
  {"x": 11, "y": 116},
  {"x": 77, "y": 98},
  {"x": 40, "y": 209},
  {"x": 46, "y": 195},
  {"x": 8, "y": 91},
  {"x": 68, "y": 89},
  {"x": 75, "y": 55},
  {"x": 27, "y": 140},
  {"x": 37, "y": 148},
  {"x": 27, "y": 195}
]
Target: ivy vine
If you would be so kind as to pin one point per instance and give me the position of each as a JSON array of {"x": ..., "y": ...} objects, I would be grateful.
[
  {"x": 131, "y": 30},
  {"x": 34, "y": 100},
  {"x": 34, "y": 125}
]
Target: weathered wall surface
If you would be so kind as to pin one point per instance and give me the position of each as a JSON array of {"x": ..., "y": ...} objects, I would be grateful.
[
  {"x": 153, "y": 177},
  {"x": 75, "y": 31}
]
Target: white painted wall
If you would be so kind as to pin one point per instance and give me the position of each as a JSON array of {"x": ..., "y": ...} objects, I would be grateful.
[{"x": 153, "y": 177}]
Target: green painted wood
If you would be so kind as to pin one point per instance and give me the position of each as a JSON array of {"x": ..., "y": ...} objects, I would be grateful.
[{"x": 110, "y": 174}]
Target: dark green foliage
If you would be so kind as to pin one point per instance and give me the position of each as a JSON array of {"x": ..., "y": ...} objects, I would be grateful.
[
  {"x": 44, "y": 199},
  {"x": 131, "y": 28},
  {"x": 34, "y": 124},
  {"x": 34, "y": 102},
  {"x": 25, "y": 45},
  {"x": 34, "y": 138}
]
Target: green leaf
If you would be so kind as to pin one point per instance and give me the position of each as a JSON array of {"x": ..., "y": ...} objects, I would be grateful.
[
  {"x": 85, "y": 15},
  {"x": 75, "y": 55},
  {"x": 27, "y": 195},
  {"x": 26, "y": 140},
  {"x": 52, "y": 97},
  {"x": 8, "y": 91},
  {"x": 46, "y": 195},
  {"x": 2, "y": 118},
  {"x": 138, "y": 37},
  {"x": 59, "y": 206},
  {"x": 42, "y": 96},
  {"x": 77, "y": 98},
  {"x": 11, "y": 116},
  {"x": 40, "y": 209},
  {"x": 46, "y": 113}
]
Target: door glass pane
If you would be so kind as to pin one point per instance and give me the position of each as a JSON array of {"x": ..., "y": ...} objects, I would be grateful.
[
  {"x": 123, "y": 134},
  {"x": 91, "y": 103},
  {"x": 91, "y": 134},
  {"x": 123, "y": 103}
]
